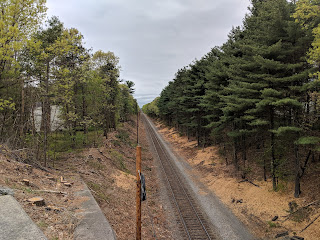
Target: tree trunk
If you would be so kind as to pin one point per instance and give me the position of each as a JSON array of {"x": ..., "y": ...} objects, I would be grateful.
[
  {"x": 235, "y": 154},
  {"x": 297, "y": 189},
  {"x": 273, "y": 158},
  {"x": 84, "y": 112},
  {"x": 46, "y": 112},
  {"x": 225, "y": 152},
  {"x": 22, "y": 110}
]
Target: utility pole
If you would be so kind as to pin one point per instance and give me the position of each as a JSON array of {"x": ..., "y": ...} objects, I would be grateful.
[
  {"x": 137, "y": 123},
  {"x": 138, "y": 194}
]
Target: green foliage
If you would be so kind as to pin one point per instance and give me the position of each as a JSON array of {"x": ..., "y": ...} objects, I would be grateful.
[
  {"x": 285, "y": 130},
  {"x": 308, "y": 141},
  {"x": 273, "y": 224},
  {"x": 259, "y": 88},
  {"x": 123, "y": 136},
  {"x": 45, "y": 66},
  {"x": 152, "y": 109},
  {"x": 119, "y": 160}
]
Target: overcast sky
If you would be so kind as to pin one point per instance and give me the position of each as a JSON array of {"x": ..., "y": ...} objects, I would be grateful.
[{"x": 153, "y": 38}]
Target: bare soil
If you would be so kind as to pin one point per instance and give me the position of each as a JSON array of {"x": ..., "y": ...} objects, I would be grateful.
[
  {"x": 57, "y": 217},
  {"x": 108, "y": 171},
  {"x": 255, "y": 206}
]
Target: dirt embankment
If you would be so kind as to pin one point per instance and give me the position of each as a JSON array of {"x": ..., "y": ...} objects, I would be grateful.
[
  {"x": 109, "y": 172},
  {"x": 255, "y": 206}
]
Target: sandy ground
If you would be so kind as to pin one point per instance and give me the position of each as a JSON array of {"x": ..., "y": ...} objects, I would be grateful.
[{"x": 255, "y": 206}]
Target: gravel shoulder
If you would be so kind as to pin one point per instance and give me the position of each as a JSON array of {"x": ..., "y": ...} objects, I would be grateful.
[{"x": 224, "y": 222}]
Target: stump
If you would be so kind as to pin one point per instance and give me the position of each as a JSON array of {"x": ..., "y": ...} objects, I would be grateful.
[
  {"x": 38, "y": 201},
  {"x": 26, "y": 182}
]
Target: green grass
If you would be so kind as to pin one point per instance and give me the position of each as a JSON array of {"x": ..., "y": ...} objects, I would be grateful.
[
  {"x": 119, "y": 159},
  {"x": 62, "y": 142},
  {"x": 95, "y": 165},
  {"x": 42, "y": 224},
  {"x": 99, "y": 191},
  {"x": 123, "y": 137},
  {"x": 273, "y": 224}
]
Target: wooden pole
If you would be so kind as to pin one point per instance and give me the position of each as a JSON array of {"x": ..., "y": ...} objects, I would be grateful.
[
  {"x": 138, "y": 195},
  {"x": 137, "y": 124}
]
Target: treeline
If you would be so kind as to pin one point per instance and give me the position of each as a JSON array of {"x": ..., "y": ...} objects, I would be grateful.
[
  {"x": 257, "y": 95},
  {"x": 151, "y": 109},
  {"x": 43, "y": 64}
]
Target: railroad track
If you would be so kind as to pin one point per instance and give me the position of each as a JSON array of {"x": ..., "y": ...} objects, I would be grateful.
[{"x": 193, "y": 225}]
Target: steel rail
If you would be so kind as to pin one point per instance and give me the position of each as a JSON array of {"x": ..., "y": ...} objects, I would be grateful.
[{"x": 156, "y": 141}]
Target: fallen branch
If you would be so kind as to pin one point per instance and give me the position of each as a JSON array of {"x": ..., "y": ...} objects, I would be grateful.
[
  {"x": 246, "y": 180},
  {"x": 308, "y": 205},
  {"x": 50, "y": 191},
  {"x": 310, "y": 223},
  {"x": 37, "y": 165}
]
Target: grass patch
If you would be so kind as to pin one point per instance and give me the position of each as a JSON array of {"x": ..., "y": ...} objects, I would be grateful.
[
  {"x": 273, "y": 224},
  {"x": 282, "y": 187},
  {"x": 119, "y": 159},
  {"x": 95, "y": 165},
  {"x": 99, "y": 191},
  {"x": 123, "y": 137},
  {"x": 42, "y": 224}
]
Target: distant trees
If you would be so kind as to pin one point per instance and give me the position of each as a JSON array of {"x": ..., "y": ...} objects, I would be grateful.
[
  {"x": 256, "y": 95},
  {"x": 151, "y": 108},
  {"x": 49, "y": 65}
]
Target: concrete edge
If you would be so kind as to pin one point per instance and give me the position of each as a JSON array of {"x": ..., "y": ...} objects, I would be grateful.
[
  {"x": 15, "y": 223},
  {"x": 93, "y": 225}
]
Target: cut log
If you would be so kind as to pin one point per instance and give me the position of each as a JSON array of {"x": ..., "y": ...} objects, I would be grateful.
[
  {"x": 38, "y": 201},
  {"x": 282, "y": 234},
  {"x": 275, "y": 218},
  {"x": 296, "y": 238},
  {"x": 51, "y": 178},
  {"x": 26, "y": 182}
]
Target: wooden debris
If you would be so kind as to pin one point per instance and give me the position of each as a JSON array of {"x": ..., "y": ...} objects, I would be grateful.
[
  {"x": 308, "y": 205},
  {"x": 310, "y": 223},
  {"x": 275, "y": 218},
  {"x": 296, "y": 238},
  {"x": 53, "y": 208},
  {"x": 50, "y": 191},
  {"x": 62, "y": 180},
  {"x": 38, "y": 201},
  {"x": 246, "y": 180},
  {"x": 26, "y": 182},
  {"x": 51, "y": 178},
  {"x": 67, "y": 184},
  {"x": 286, "y": 233}
]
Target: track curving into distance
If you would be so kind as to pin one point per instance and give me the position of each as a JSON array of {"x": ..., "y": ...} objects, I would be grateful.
[{"x": 193, "y": 224}]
